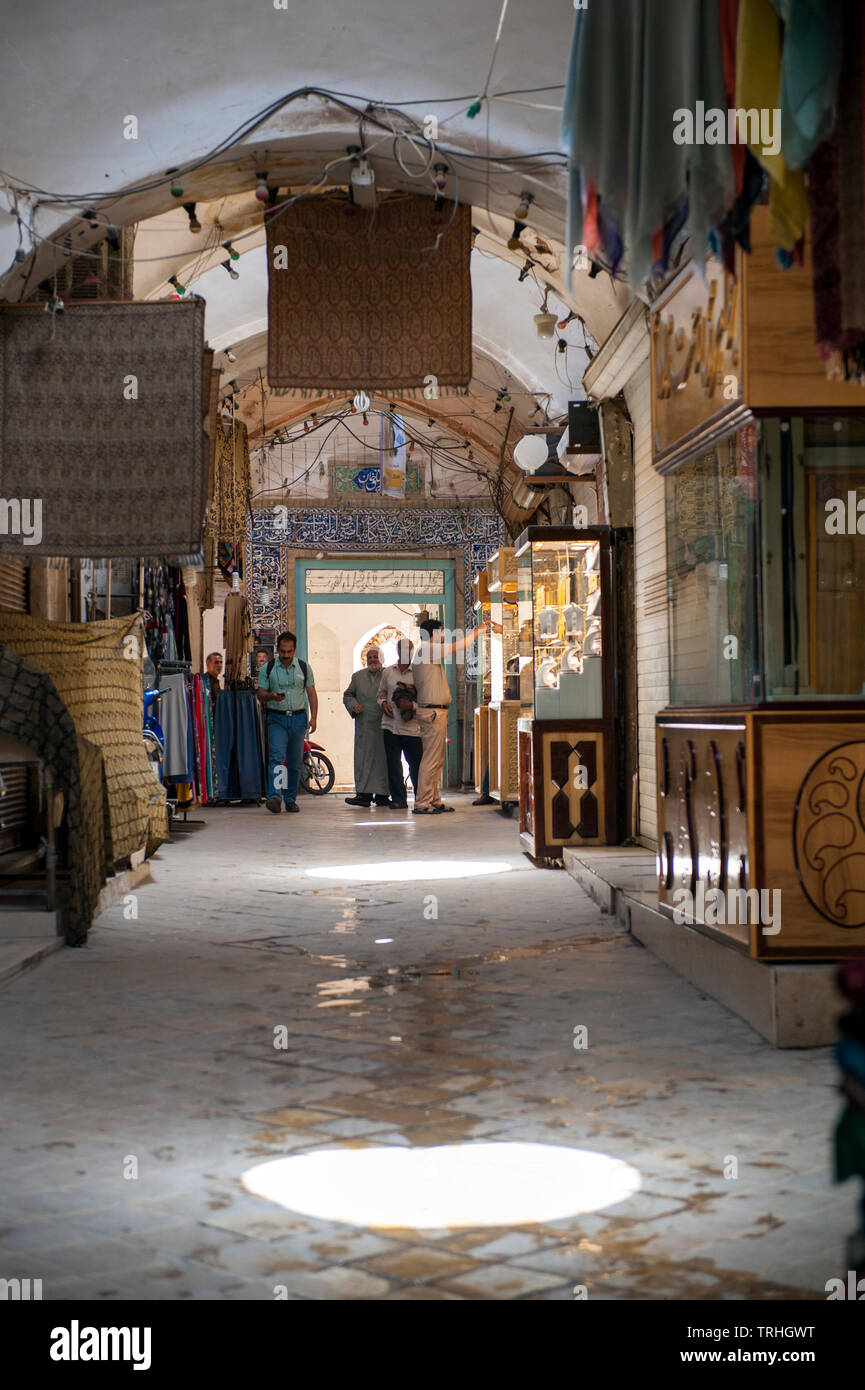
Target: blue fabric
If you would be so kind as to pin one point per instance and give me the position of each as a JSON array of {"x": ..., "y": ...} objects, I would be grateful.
[
  {"x": 810, "y": 68},
  {"x": 237, "y": 749},
  {"x": 394, "y": 746},
  {"x": 285, "y": 734},
  {"x": 850, "y": 1056}
]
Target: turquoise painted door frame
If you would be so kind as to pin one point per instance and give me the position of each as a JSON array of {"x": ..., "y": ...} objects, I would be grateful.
[{"x": 445, "y": 602}]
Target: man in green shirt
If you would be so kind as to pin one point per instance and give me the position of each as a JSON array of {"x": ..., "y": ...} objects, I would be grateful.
[{"x": 285, "y": 687}]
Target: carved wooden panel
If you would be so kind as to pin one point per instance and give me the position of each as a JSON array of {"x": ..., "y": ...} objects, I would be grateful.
[
  {"x": 573, "y": 788},
  {"x": 810, "y": 821},
  {"x": 509, "y": 776},
  {"x": 702, "y": 814},
  {"x": 527, "y": 783}
]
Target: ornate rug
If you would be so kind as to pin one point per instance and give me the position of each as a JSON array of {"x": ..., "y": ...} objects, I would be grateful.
[
  {"x": 357, "y": 300},
  {"x": 102, "y": 425}
]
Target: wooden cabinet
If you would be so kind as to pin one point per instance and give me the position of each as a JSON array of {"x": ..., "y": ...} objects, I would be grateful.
[{"x": 761, "y": 820}]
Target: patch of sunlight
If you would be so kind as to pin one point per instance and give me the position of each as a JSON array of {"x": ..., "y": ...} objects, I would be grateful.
[
  {"x": 406, "y": 870},
  {"x": 452, "y": 1185}
]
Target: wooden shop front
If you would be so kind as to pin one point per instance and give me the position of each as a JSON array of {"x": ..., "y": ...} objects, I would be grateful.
[{"x": 761, "y": 750}]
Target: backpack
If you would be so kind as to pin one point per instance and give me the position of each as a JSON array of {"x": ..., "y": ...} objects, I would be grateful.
[{"x": 302, "y": 664}]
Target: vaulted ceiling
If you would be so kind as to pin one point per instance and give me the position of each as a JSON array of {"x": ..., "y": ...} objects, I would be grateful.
[{"x": 193, "y": 77}]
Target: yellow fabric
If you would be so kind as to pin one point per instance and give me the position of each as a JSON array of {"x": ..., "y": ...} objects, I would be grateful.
[
  {"x": 96, "y": 668},
  {"x": 758, "y": 85}
]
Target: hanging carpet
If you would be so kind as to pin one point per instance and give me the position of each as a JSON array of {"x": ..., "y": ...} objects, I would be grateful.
[
  {"x": 358, "y": 299},
  {"x": 96, "y": 668},
  {"x": 102, "y": 421}
]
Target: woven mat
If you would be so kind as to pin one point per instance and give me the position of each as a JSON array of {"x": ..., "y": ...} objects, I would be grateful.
[
  {"x": 102, "y": 690},
  {"x": 361, "y": 303},
  {"x": 114, "y": 476},
  {"x": 31, "y": 711}
]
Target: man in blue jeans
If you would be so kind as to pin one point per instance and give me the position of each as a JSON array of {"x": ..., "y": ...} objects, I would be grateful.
[{"x": 285, "y": 687}]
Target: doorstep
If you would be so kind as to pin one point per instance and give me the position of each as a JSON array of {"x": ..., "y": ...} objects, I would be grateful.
[{"x": 790, "y": 1003}]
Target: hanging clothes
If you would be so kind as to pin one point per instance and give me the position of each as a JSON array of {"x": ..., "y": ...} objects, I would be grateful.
[
  {"x": 174, "y": 718},
  {"x": 758, "y": 83},
  {"x": 633, "y": 66},
  {"x": 239, "y": 746},
  {"x": 810, "y": 69},
  {"x": 236, "y": 636}
]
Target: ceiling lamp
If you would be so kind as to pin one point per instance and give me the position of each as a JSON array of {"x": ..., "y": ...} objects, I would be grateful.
[
  {"x": 361, "y": 402},
  {"x": 545, "y": 322},
  {"x": 531, "y": 452},
  {"x": 230, "y": 355},
  {"x": 363, "y": 183},
  {"x": 262, "y": 192},
  {"x": 226, "y": 265},
  {"x": 580, "y": 449}
]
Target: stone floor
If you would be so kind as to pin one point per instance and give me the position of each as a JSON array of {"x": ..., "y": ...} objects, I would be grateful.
[{"x": 253, "y": 1012}]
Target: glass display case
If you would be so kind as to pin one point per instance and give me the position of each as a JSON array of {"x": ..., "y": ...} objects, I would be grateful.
[
  {"x": 560, "y": 625},
  {"x": 571, "y": 750},
  {"x": 505, "y": 705}
]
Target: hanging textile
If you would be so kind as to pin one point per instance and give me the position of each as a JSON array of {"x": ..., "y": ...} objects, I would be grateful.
[
  {"x": 226, "y": 525},
  {"x": 373, "y": 299},
  {"x": 633, "y": 66},
  {"x": 96, "y": 668},
  {"x": 810, "y": 68},
  {"x": 174, "y": 719},
  {"x": 102, "y": 419},
  {"x": 32, "y": 711},
  {"x": 236, "y": 637},
  {"x": 758, "y": 83},
  {"x": 239, "y": 746}
]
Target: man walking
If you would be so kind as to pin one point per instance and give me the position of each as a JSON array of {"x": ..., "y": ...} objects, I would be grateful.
[
  {"x": 433, "y": 702},
  {"x": 370, "y": 765},
  {"x": 285, "y": 687},
  {"x": 401, "y": 735}
]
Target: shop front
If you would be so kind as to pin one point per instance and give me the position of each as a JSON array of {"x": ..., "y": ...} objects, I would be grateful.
[{"x": 761, "y": 749}]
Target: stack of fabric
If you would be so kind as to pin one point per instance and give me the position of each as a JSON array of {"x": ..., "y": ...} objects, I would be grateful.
[
  {"x": 659, "y": 148},
  {"x": 850, "y": 1131}
]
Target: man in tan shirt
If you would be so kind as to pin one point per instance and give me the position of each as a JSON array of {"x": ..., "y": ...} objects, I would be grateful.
[{"x": 433, "y": 702}]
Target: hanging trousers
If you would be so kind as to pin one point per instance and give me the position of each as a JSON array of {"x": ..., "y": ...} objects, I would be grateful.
[{"x": 236, "y": 735}]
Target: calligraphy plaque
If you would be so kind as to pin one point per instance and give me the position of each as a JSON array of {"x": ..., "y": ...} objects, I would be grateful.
[{"x": 374, "y": 581}]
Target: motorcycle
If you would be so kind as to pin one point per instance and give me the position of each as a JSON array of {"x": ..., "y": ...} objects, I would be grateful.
[{"x": 317, "y": 774}]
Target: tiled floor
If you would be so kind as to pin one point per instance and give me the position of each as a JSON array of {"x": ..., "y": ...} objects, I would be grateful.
[{"x": 252, "y": 1012}]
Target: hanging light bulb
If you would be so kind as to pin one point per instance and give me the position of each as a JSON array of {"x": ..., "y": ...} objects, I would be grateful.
[
  {"x": 562, "y": 345},
  {"x": 173, "y": 280},
  {"x": 475, "y": 235},
  {"x": 363, "y": 183},
  {"x": 525, "y": 270},
  {"x": 361, "y": 401},
  {"x": 235, "y": 274},
  {"x": 582, "y": 259},
  {"x": 261, "y": 190},
  {"x": 227, "y": 246},
  {"x": 306, "y": 427},
  {"x": 522, "y": 212},
  {"x": 230, "y": 355},
  {"x": 112, "y": 236},
  {"x": 563, "y": 323},
  {"x": 365, "y": 418},
  {"x": 514, "y": 242},
  {"x": 545, "y": 322},
  {"x": 440, "y": 184},
  {"x": 194, "y": 224},
  {"x": 315, "y": 420},
  {"x": 470, "y": 456},
  {"x": 411, "y": 447},
  {"x": 176, "y": 190}
]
